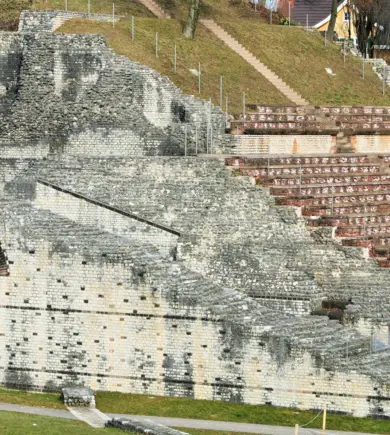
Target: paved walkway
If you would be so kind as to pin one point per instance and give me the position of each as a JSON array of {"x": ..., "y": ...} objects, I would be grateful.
[{"x": 183, "y": 422}]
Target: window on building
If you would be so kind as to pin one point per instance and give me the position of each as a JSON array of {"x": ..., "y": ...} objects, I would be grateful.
[{"x": 347, "y": 16}]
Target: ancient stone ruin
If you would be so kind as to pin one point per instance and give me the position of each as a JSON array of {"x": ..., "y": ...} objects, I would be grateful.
[{"x": 130, "y": 264}]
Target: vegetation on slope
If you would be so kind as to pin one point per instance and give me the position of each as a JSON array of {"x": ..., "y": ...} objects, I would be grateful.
[
  {"x": 125, "y": 8},
  {"x": 206, "y": 49},
  {"x": 136, "y": 404},
  {"x": 299, "y": 58},
  {"x": 15, "y": 423},
  {"x": 228, "y": 10},
  {"x": 202, "y": 409},
  {"x": 10, "y": 11}
]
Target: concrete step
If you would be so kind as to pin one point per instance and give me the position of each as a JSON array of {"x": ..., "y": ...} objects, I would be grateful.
[{"x": 252, "y": 60}]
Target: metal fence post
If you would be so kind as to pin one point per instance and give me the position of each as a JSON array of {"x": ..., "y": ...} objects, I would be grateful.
[
  {"x": 332, "y": 205},
  {"x": 185, "y": 141},
  {"x": 174, "y": 60},
  {"x": 307, "y": 22},
  {"x": 89, "y": 7},
  {"x": 289, "y": 13},
  {"x": 199, "y": 79},
  {"x": 271, "y": 16},
  {"x": 226, "y": 112},
  {"x": 66, "y": 5},
  {"x": 220, "y": 91},
  {"x": 384, "y": 80},
  {"x": 132, "y": 28},
  {"x": 207, "y": 139},
  {"x": 113, "y": 15},
  {"x": 196, "y": 139},
  {"x": 344, "y": 50},
  {"x": 211, "y": 139},
  {"x": 300, "y": 180},
  {"x": 156, "y": 44},
  {"x": 364, "y": 63},
  {"x": 243, "y": 107}
]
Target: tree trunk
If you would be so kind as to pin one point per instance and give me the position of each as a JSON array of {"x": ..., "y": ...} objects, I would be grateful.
[
  {"x": 332, "y": 22},
  {"x": 192, "y": 20}
]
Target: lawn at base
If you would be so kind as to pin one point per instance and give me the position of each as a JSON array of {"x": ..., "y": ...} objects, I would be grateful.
[
  {"x": 208, "y": 432},
  {"x": 135, "y": 404},
  {"x": 224, "y": 411},
  {"x": 45, "y": 400},
  {"x": 16, "y": 423}
]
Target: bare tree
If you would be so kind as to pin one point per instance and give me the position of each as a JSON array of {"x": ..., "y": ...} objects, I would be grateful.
[
  {"x": 332, "y": 22},
  {"x": 192, "y": 20},
  {"x": 372, "y": 22}
]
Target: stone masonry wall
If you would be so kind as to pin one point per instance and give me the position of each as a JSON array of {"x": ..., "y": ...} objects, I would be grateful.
[
  {"x": 73, "y": 316},
  {"x": 72, "y": 94},
  {"x": 103, "y": 217},
  {"x": 280, "y": 144}
]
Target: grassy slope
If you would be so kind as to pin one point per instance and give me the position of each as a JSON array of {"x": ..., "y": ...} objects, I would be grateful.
[
  {"x": 15, "y": 423},
  {"x": 215, "y": 59},
  {"x": 122, "y": 7},
  {"x": 201, "y": 409},
  {"x": 299, "y": 58}
]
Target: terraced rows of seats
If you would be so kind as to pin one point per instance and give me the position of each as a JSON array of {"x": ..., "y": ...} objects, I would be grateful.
[
  {"x": 259, "y": 119},
  {"x": 348, "y": 192},
  {"x": 349, "y": 195},
  {"x": 181, "y": 286},
  {"x": 231, "y": 230}
]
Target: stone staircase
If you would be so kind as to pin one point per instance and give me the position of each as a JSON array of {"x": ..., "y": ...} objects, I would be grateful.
[
  {"x": 252, "y": 60},
  {"x": 92, "y": 416},
  {"x": 155, "y": 8},
  {"x": 349, "y": 192}
]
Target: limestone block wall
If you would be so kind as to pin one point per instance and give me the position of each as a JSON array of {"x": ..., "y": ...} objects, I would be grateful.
[
  {"x": 88, "y": 212},
  {"x": 92, "y": 101},
  {"x": 371, "y": 143},
  {"x": 10, "y": 61},
  {"x": 93, "y": 320},
  {"x": 280, "y": 144},
  {"x": 32, "y": 21}
]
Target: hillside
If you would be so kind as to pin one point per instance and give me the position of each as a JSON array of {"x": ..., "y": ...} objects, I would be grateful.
[
  {"x": 206, "y": 49},
  {"x": 297, "y": 57}
]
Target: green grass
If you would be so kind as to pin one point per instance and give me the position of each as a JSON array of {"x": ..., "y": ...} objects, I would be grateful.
[
  {"x": 218, "y": 9},
  {"x": 224, "y": 411},
  {"x": 15, "y": 423},
  {"x": 208, "y": 432},
  {"x": 300, "y": 59},
  {"x": 206, "y": 49},
  {"x": 46, "y": 400},
  {"x": 201, "y": 409},
  {"x": 125, "y": 8}
]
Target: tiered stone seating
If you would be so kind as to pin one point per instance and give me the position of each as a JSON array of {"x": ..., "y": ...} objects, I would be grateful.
[
  {"x": 276, "y": 119},
  {"x": 308, "y": 120},
  {"x": 349, "y": 192}
]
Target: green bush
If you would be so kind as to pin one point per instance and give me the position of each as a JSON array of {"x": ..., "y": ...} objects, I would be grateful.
[{"x": 10, "y": 11}]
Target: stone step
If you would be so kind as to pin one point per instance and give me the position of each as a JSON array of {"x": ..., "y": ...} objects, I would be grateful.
[{"x": 251, "y": 59}]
